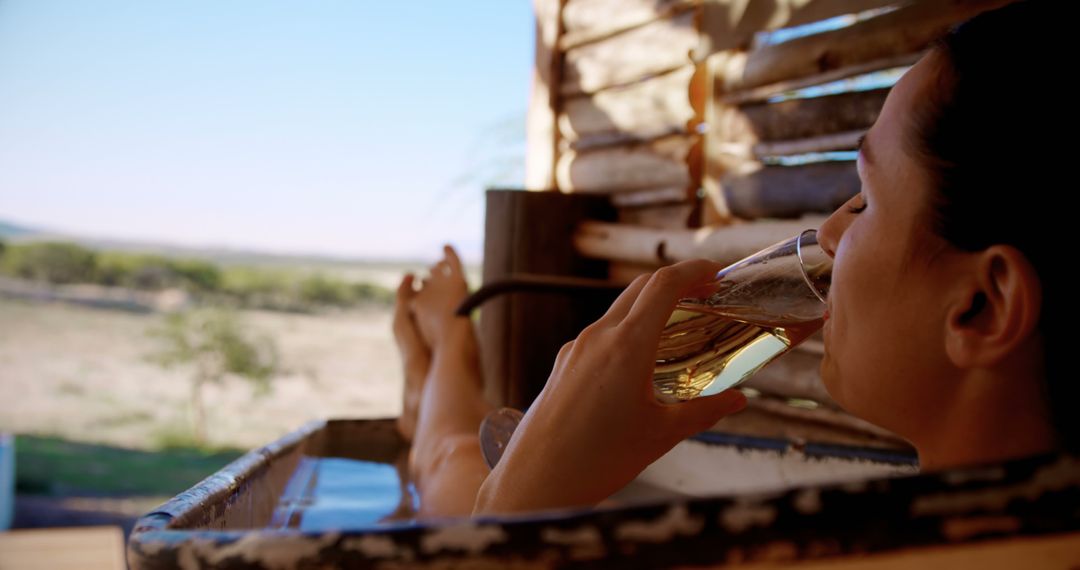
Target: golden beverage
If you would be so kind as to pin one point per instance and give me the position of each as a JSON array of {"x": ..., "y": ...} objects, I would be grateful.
[{"x": 706, "y": 350}]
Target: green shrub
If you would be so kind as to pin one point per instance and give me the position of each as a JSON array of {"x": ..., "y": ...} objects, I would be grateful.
[
  {"x": 214, "y": 343},
  {"x": 371, "y": 293},
  {"x": 54, "y": 262},
  {"x": 198, "y": 275},
  {"x": 320, "y": 290}
]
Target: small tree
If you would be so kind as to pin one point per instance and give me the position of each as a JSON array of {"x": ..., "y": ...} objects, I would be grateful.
[{"x": 214, "y": 342}]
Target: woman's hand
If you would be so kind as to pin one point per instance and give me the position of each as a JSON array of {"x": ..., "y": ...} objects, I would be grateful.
[{"x": 597, "y": 423}]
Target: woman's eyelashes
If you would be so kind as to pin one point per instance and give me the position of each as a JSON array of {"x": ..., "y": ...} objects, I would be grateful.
[{"x": 857, "y": 209}]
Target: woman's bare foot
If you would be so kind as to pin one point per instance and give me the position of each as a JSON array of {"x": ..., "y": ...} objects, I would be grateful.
[
  {"x": 415, "y": 357},
  {"x": 435, "y": 305}
]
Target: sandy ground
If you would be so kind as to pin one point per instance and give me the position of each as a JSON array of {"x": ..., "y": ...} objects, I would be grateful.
[{"x": 85, "y": 374}]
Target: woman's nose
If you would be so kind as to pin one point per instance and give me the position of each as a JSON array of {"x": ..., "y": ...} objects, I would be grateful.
[{"x": 831, "y": 230}]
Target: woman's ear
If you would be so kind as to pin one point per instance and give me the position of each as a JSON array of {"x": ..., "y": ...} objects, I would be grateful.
[{"x": 996, "y": 308}]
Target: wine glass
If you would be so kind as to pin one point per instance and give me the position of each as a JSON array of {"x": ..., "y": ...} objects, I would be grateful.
[{"x": 756, "y": 309}]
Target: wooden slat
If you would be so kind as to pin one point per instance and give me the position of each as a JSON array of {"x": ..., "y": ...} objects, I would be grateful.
[
  {"x": 540, "y": 138},
  {"x": 824, "y": 143},
  {"x": 765, "y": 92},
  {"x": 645, "y": 110},
  {"x": 903, "y": 31},
  {"x": 659, "y": 47},
  {"x": 790, "y": 191},
  {"x": 650, "y": 197},
  {"x": 661, "y": 163},
  {"x": 728, "y": 24},
  {"x": 845, "y": 141},
  {"x": 649, "y": 246},
  {"x": 671, "y": 216},
  {"x": 588, "y": 21},
  {"x": 804, "y": 118}
]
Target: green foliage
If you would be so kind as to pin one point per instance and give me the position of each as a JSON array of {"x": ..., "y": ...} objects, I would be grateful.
[
  {"x": 296, "y": 291},
  {"x": 214, "y": 342},
  {"x": 370, "y": 293},
  {"x": 54, "y": 262},
  {"x": 138, "y": 271},
  {"x": 259, "y": 288},
  {"x": 155, "y": 272},
  {"x": 274, "y": 289},
  {"x": 320, "y": 290},
  {"x": 199, "y": 275}
]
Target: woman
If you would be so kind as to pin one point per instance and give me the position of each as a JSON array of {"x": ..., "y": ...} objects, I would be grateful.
[{"x": 944, "y": 318}]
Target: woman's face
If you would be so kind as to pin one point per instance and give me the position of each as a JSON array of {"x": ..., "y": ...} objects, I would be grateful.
[{"x": 884, "y": 345}]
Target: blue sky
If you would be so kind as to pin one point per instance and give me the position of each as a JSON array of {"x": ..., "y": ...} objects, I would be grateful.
[{"x": 355, "y": 128}]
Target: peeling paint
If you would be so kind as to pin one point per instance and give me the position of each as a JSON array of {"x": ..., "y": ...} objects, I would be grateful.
[
  {"x": 745, "y": 514},
  {"x": 585, "y": 542},
  {"x": 372, "y": 546},
  {"x": 974, "y": 475},
  {"x": 1060, "y": 475},
  {"x": 677, "y": 520},
  {"x": 153, "y": 547},
  {"x": 963, "y": 528},
  {"x": 807, "y": 501},
  {"x": 855, "y": 486},
  {"x": 468, "y": 537},
  {"x": 584, "y": 535},
  {"x": 735, "y": 556},
  {"x": 272, "y": 551},
  {"x": 187, "y": 560},
  {"x": 780, "y": 551}
]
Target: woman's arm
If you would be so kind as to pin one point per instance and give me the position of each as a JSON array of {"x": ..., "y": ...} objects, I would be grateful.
[{"x": 597, "y": 424}]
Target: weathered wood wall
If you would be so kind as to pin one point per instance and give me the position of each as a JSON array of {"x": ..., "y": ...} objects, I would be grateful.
[{"x": 688, "y": 112}]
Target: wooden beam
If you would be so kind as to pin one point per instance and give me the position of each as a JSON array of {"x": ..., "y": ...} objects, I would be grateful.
[
  {"x": 803, "y": 118},
  {"x": 662, "y": 163},
  {"x": 760, "y": 94},
  {"x": 588, "y": 21},
  {"x": 825, "y": 143},
  {"x": 654, "y": 107},
  {"x": 650, "y": 246},
  {"x": 906, "y": 30},
  {"x": 660, "y": 47},
  {"x": 765, "y": 150},
  {"x": 669, "y": 216},
  {"x": 651, "y": 197},
  {"x": 541, "y": 134},
  {"x": 731, "y": 24},
  {"x": 791, "y": 191}
]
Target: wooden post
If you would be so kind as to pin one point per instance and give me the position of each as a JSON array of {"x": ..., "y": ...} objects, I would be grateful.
[{"x": 521, "y": 333}]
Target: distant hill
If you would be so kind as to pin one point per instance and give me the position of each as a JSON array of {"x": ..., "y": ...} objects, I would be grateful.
[
  {"x": 14, "y": 232},
  {"x": 10, "y": 230}
]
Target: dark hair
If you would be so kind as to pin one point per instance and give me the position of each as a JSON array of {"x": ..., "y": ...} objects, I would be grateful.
[{"x": 986, "y": 135}]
